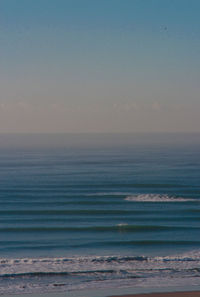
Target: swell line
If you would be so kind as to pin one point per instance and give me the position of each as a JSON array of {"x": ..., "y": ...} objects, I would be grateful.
[
  {"x": 119, "y": 227},
  {"x": 91, "y": 212}
]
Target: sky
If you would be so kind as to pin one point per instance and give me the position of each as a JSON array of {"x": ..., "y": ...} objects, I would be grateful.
[{"x": 100, "y": 66}]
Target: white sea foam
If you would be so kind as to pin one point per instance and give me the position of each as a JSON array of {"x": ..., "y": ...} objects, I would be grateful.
[
  {"x": 156, "y": 198},
  {"x": 34, "y": 275},
  {"x": 90, "y": 263}
]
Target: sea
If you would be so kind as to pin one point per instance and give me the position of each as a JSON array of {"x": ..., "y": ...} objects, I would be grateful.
[{"x": 97, "y": 211}]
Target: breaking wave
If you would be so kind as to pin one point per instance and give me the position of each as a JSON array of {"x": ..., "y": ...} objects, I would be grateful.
[
  {"x": 88, "y": 264},
  {"x": 156, "y": 198},
  {"x": 57, "y": 274}
]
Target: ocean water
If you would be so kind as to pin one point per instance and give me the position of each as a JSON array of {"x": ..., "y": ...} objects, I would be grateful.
[{"x": 99, "y": 211}]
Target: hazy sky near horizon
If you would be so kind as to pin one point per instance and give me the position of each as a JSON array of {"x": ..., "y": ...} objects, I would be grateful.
[{"x": 99, "y": 66}]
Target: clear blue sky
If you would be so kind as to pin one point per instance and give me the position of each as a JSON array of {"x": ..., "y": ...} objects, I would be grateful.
[{"x": 99, "y": 66}]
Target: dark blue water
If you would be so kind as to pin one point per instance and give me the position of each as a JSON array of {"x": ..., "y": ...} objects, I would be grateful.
[{"x": 115, "y": 212}]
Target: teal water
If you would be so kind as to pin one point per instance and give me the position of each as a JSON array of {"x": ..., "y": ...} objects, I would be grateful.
[{"x": 99, "y": 212}]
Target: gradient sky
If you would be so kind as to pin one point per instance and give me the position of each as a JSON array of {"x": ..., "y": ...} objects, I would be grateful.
[{"x": 99, "y": 66}]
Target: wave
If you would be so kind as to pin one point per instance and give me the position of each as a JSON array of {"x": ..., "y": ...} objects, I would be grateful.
[
  {"x": 38, "y": 275},
  {"x": 94, "y": 264},
  {"x": 157, "y": 198},
  {"x": 98, "y": 212},
  {"x": 119, "y": 227},
  {"x": 141, "y": 243}
]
